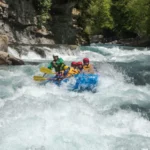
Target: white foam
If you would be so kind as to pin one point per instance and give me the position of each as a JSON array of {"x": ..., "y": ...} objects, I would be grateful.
[
  {"x": 13, "y": 52},
  {"x": 103, "y": 54},
  {"x": 116, "y": 54},
  {"x": 34, "y": 117},
  {"x": 50, "y": 117}
]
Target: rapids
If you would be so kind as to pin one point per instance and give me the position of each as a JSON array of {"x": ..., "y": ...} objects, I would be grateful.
[{"x": 116, "y": 117}]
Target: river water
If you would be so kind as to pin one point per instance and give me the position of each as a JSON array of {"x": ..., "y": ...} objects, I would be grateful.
[{"x": 116, "y": 117}]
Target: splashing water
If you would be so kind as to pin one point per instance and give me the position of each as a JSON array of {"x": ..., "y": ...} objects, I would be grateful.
[{"x": 34, "y": 117}]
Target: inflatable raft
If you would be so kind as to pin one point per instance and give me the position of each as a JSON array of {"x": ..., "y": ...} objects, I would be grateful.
[{"x": 80, "y": 82}]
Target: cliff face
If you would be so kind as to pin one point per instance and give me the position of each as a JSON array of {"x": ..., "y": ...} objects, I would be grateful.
[
  {"x": 64, "y": 23},
  {"x": 19, "y": 22}
]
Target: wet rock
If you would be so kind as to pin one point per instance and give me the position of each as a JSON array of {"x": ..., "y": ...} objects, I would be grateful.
[
  {"x": 7, "y": 59},
  {"x": 39, "y": 50},
  {"x": 16, "y": 61}
]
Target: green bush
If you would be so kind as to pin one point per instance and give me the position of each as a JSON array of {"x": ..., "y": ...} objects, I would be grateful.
[
  {"x": 42, "y": 7},
  {"x": 95, "y": 15}
]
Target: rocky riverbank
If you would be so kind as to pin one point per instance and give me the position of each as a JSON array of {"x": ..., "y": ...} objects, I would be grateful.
[{"x": 22, "y": 50}]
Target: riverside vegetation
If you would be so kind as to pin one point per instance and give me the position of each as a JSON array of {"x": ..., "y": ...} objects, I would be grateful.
[{"x": 121, "y": 18}]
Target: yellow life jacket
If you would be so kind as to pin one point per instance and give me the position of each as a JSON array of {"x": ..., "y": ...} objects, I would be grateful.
[
  {"x": 72, "y": 71},
  {"x": 76, "y": 71},
  {"x": 88, "y": 68}
]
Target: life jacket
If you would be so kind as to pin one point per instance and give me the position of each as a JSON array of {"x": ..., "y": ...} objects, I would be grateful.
[
  {"x": 72, "y": 71},
  {"x": 88, "y": 68},
  {"x": 58, "y": 67},
  {"x": 62, "y": 66}
]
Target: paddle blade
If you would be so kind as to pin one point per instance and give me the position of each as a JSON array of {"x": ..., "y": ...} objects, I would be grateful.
[
  {"x": 39, "y": 78},
  {"x": 46, "y": 70}
]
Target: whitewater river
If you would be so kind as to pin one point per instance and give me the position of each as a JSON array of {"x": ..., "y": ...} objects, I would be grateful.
[{"x": 116, "y": 117}]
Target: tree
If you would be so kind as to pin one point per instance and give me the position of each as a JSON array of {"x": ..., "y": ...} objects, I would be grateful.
[
  {"x": 43, "y": 8},
  {"x": 98, "y": 16}
]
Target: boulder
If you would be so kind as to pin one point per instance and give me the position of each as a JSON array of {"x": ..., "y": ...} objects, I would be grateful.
[
  {"x": 3, "y": 43},
  {"x": 7, "y": 59},
  {"x": 3, "y": 4}
]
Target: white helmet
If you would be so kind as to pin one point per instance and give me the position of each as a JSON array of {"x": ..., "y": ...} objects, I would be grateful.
[{"x": 55, "y": 54}]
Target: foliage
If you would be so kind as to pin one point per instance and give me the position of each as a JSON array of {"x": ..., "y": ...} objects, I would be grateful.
[
  {"x": 140, "y": 16},
  {"x": 95, "y": 15},
  {"x": 124, "y": 17},
  {"x": 43, "y": 8},
  {"x": 130, "y": 16},
  {"x": 100, "y": 17}
]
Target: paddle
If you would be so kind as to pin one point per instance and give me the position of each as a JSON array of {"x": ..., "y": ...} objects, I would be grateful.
[
  {"x": 46, "y": 70},
  {"x": 39, "y": 78}
]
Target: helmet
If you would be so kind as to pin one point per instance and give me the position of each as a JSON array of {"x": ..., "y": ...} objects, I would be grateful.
[
  {"x": 73, "y": 63},
  {"x": 55, "y": 55},
  {"x": 85, "y": 60},
  {"x": 79, "y": 63},
  {"x": 66, "y": 67}
]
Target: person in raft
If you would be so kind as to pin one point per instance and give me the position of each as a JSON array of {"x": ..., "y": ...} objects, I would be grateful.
[
  {"x": 65, "y": 73},
  {"x": 57, "y": 63},
  {"x": 87, "y": 67},
  {"x": 69, "y": 71},
  {"x": 74, "y": 67},
  {"x": 80, "y": 66}
]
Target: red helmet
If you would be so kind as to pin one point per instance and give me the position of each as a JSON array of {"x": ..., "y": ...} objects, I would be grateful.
[
  {"x": 85, "y": 60},
  {"x": 79, "y": 63},
  {"x": 73, "y": 63}
]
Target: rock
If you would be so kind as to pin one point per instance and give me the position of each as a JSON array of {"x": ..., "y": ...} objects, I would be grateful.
[
  {"x": 45, "y": 41},
  {"x": 96, "y": 38},
  {"x": 16, "y": 61},
  {"x": 43, "y": 31},
  {"x": 3, "y": 4},
  {"x": 73, "y": 47},
  {"x": 39, "y": 50},
  {"x": 3, "y": 43},
  {"x": 7, "y": 59},
  {"x": 3, "y": 9},
  {"x": 76, "y": 12},
  {"x": 6, "y": 28},
  {"x": 20, "y": 20}
]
